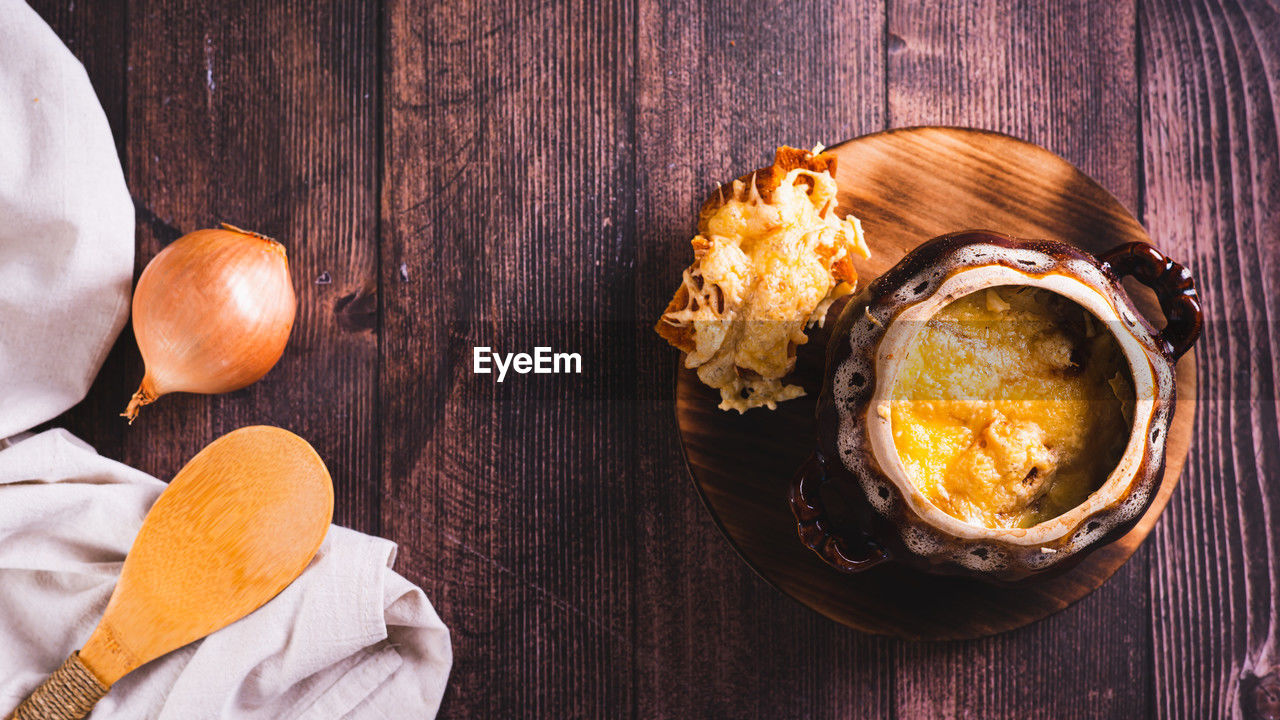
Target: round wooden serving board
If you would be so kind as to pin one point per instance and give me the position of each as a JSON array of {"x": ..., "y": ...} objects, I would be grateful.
[{"x": 908, "y": 186}]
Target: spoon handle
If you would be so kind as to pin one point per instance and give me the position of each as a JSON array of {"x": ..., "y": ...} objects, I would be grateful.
[{"x": 69, "y": 694}]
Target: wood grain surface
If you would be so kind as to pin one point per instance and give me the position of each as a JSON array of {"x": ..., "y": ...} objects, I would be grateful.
[
  {"x": 512, "y": 174},
  {"x": 906, "y": 186}
]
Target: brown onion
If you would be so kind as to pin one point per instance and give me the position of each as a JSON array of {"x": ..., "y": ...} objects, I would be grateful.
[{"x": 212, "y": 313}]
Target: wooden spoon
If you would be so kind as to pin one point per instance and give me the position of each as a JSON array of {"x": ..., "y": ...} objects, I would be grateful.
[{"x": 239, "y": 523}]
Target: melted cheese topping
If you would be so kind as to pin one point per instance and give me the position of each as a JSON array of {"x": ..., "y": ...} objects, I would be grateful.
[
  {"x": 1012, "y": 406},
  {"x": 765, "y": 270}
]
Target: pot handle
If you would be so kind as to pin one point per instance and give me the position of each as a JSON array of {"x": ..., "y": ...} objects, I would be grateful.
[
  {"x": 847, "y": 548},
  {"x": 1173, "y": 286}
]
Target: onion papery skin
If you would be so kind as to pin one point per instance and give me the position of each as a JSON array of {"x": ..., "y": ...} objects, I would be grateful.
[{"x": 212, "y": 313}]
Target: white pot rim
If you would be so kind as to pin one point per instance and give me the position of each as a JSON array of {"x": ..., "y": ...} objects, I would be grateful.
[{"x": 892, "y": 350}]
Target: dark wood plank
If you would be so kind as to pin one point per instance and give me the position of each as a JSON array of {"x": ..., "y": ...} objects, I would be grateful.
[
  {"x": 552, "y": 522},
  {"x": 1209, "y": 119},
  {"x": 95, "y": 33},
  {"x": 1063, "y": 76},
  {"x": 720, "y": 85},
  {"x": 507, "y": 223},
  {"x": 265, "y": 117}
]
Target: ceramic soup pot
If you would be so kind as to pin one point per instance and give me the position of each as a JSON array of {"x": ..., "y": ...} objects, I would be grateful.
[{"x": 854, "y": 501}]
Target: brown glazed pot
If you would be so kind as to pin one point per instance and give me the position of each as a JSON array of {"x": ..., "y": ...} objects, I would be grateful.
[{"x": 854, "y": 504}]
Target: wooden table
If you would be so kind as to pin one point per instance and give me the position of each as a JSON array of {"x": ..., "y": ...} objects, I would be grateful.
[{"x": 448, "y": 175}]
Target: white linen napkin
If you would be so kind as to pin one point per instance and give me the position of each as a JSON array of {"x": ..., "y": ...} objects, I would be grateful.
[
  {"x": 349, "y": 639},
  {"x": 66, "y": 226}
]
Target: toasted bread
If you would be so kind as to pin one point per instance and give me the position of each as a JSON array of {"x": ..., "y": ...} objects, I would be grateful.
[{"x": 778, "y": 219}]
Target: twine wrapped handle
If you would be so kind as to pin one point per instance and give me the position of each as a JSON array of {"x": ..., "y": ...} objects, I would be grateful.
[{"x": 69, "y": 694}]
